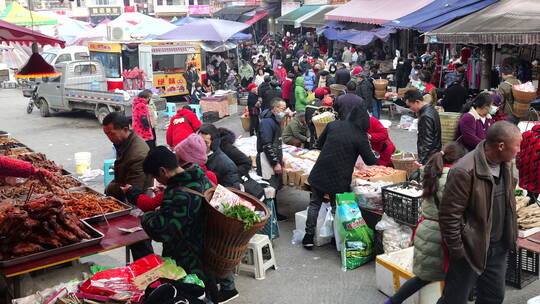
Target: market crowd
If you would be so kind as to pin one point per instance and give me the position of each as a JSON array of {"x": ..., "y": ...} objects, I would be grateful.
[{"x": 469, "y": 216}]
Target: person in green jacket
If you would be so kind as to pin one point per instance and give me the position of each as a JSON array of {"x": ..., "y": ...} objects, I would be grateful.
[
  {"x": 300, "y": 94},
  {"x": 297, "y": 133},
  {"x": 179, "y": 222},
  {"x": 246, "y": 73},
  {"x": 429, "y": 264}
]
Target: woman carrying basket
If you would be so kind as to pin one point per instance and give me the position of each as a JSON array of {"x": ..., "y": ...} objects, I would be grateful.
[{"x": 430, "y": 259}]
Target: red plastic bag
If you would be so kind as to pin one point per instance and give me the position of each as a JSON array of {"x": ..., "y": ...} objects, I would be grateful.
[{"x": 117, "y": 283}]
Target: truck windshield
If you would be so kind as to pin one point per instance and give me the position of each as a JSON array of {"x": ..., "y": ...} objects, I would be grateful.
[
  {"x": 49, "y": 57},
  {"x": 110, "y": 61}
]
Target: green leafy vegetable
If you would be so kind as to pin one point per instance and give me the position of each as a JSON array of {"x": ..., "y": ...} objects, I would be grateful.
[{"x": 242, "y": 213}]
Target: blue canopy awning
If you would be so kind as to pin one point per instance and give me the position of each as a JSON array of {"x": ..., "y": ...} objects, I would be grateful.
[{"x": 438, "y": 13}]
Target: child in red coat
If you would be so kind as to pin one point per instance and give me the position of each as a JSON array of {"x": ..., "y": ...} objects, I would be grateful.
[
  {"x": 380, "y": 142},
  {"x": 184, "y": 123}
]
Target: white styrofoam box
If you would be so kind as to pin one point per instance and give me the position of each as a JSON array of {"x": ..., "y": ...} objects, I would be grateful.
[
  {"x": 393, "y": 269},
  {"x": 300, "y": 220},
  {"x": 535, "y": 300}
]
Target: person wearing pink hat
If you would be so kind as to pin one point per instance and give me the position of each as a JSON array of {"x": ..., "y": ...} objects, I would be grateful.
[{"x": 192, "y": 151}]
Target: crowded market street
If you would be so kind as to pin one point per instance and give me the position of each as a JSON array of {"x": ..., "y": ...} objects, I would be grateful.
[{"x": 303, "y": 277}]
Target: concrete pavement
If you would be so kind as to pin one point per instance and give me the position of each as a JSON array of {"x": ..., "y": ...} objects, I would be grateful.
[{"x": 303, "y": 276}]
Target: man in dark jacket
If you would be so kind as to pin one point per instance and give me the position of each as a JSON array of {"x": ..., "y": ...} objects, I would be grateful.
[
  {"x": 332, "y": 173},
  {"x": 477, "y": 216},
  {"x": 429, "y": 126},
  {"x": 261, "y": 90},
  {"x": 343, "y": 76},
  {"x": 455, "y": 96},
  {"x": 241, "y": 160},
  {"x": 218, "y": 162},
  {"x": 269, "y": 154},
  {"x": 366, "y": 90},
  {"x": 305, "y": 65},
  {"x": 191, "y": 77},
  {"x": 346, "y": 102},
  {"x": 273, "y": 92},
  {"x": 131, "y": 150}
]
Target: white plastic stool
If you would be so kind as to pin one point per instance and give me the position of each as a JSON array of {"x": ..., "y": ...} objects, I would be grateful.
[{"x": 255, "y": 250}]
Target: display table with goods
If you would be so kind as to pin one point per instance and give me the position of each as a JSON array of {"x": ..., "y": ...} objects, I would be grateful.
[
  {"x": 46, "y": 222},
  {"x": 221, "y": 101}
]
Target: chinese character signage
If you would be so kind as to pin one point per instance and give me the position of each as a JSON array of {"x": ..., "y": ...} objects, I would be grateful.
[
  {"x": 170, "y": 84},
  {"x": 104, "y": 11},
  {"x": 199, "y": 10}
]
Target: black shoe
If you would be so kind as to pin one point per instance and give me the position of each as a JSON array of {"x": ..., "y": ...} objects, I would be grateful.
[
  {"x": 225, "y": 296},
  {"x": 281, "y": 217},
  {"x": 308, "y": 241}
]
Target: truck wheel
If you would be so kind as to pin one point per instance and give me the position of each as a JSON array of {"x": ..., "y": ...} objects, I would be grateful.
[
  {"x": 101, "y": 113},
  {"x": 44, "y": 108}
]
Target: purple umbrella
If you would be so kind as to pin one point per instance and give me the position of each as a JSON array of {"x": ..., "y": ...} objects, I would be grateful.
[{"x": 205, "y": 30}]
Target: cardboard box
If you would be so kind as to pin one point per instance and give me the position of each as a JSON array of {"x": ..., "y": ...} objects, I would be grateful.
[
  {"x": 389, "y": 276},
  {"x": 398, "y": 177}
]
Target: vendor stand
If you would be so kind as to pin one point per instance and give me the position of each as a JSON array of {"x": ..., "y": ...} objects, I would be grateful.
[
  {"x": 135, "y": 65},
  {"x": 113, "y": 239}
]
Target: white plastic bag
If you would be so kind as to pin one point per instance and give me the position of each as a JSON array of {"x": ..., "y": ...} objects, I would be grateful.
[
  {"x": 405, "y": 121},
  {"x": 327, "y": 228},
  {"x": 297, "y": 236},
  {"x": 395, "y": 236}
]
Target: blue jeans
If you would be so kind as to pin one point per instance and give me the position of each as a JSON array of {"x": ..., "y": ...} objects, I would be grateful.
[{"x": 376, "y": 108}]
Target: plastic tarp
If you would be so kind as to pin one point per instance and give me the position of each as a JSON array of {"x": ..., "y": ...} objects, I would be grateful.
[
  {"x": 16, "y": 14},
  {"x": 185, "y": 20},
  {"x": 67, "y": 29},
  {"x": 291, "y": 17},
  {"x": 205, "y": 30},
  {"x": 257, "y": 17},
  {"x": 358, "y": 37},
  {"x": 218, "y": 47},
  {"x": 235, "y": 13},
  {"x": 513, "y": 22},
  {"x": 241, "y": 36},
  {"x": 375, "y": 11},
  {"x": 439, "y": 13}
]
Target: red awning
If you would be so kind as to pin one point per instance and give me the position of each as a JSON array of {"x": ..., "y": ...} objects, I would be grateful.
[
  {"x": 257, "y": 17},
  {"x": 10, "y": 32}
]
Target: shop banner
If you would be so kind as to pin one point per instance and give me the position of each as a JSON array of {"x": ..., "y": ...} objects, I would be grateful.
[
  {"x": 104, "y": 47},
  {"x": 199, "y": 9},
  {"x": 170, "y": 84}
]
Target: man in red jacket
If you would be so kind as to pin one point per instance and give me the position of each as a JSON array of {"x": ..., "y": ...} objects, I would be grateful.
[{"x": 184, "y": 123}]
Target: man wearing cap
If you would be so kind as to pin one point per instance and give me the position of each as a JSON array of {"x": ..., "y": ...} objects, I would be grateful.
[{"x": 296, "y": 133}]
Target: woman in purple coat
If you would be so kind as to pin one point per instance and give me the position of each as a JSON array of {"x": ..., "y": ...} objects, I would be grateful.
[{"x": 475, "y": 121}]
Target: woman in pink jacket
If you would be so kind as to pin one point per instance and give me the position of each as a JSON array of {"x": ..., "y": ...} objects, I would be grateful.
[{"x": 140, "y": 118}]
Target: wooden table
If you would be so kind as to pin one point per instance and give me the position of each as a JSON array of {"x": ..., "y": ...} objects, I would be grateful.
[
  {"x": 527, "y": 244},
  {"x": 113, "y": 239}
]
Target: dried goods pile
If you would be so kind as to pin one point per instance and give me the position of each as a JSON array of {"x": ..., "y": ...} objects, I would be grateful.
[
  {"x": 374, "y": 171},
  {"x": 41, "y": 224},
  {"x": 39, "y": 160},
  {"x": 528, "y": 216},
  {"x": 62, "y": 183},
  {"x": 88, "y": 204}
]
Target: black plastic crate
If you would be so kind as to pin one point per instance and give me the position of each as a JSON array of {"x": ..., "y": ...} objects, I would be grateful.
[
  {"x": 403, "y": 208},
  {"x": 522, "y": 268}
]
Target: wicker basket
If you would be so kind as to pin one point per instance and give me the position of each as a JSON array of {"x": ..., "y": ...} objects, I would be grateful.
[
  {"x": 449, "y": 124},
  {"x": 226, "y": 240},
  {"x": 246, "y": 123},
  {"x": 335, "y": 89},
  {"x": 319, "y": 127},
  {"x": 380, "y": 93},
  {"x": 380, "y": 84},
  {"x": 405, "y": 162},
  {"x": 524, "y": 97}
]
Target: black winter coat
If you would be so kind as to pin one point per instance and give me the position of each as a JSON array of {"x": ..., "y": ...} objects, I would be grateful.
[
  {"x": 263, "y": 88},
  {"x": 341, "y": 143},
  {"x": 268, "y": 96},
  {"x": 366, "y": 91},
  {"x": 429, "y": 133},
  {"x": 269, "y": 138},
  {"x": 343, "y": 76},
  {"x": 225, "y": 169},
  {"x": 455, "y": 96},
  {"x": 242, "y": 161},
  {"x": 344, "y": 104}
]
